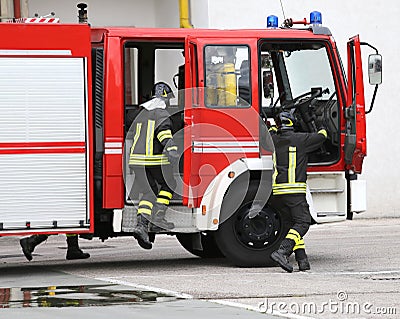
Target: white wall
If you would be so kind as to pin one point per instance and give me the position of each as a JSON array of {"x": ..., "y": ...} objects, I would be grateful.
[
  {"x": 167, "y": 13},
  {"x": 139, "y": 13},
  {"x": 199, "y": 13},
  {"x": 375, "y": 22},
  {"x": 100, "y": 12}
]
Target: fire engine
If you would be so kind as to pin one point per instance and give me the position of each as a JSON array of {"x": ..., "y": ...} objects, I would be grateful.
[{"x": 70, "y": 92}]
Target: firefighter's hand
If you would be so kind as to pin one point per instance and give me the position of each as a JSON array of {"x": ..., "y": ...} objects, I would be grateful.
[
  {"x": 272, "y": 129},
  {"x": 173, "y": 156}
]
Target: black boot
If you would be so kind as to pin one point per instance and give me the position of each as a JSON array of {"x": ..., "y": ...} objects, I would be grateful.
[
  {"x": 158, "y": 221},
  {"x": 281, "y": 256},
  {"x": 73, "y": 251},
  {"x": 140, "y": 232},
  {"x": 302, "y": 260},
  {"x": 28, "y": 244}
]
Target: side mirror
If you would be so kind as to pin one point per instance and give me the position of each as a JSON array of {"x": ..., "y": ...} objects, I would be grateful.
[
  {"x": 268, "y": 84},
  {"x": 375, "y": 69}
]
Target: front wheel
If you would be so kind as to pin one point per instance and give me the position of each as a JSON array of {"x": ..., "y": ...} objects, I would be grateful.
[
  {"x": 246, "y": 241},
  {"x": 210, "y": 248}
]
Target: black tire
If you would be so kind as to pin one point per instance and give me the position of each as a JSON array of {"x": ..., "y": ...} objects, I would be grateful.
[
  {"x": 210, "y": 248},
  {"x": 249, "y": 242}
]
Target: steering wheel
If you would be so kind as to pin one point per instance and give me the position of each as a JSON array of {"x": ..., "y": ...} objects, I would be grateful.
[{"x": 306, "y": 98}]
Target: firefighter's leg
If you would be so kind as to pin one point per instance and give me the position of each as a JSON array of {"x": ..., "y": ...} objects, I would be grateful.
[
  {"x": 73, "y": 250},
  {"x": 28, "y": 244},
  {"x": 302, "y": 219},
  {"x": 147, "y": 186},
  {"x": 164, "y": 177},
  {"x": 281, "y": 256},
  {"x": 300, "y": 213},
  {"x": 301, "y": 256},
  {"x": 141, "y": 230},
  {"x": 158, "y": 221}
]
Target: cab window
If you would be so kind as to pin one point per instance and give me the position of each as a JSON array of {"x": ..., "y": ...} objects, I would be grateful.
[{"x": 227, "y": 76}]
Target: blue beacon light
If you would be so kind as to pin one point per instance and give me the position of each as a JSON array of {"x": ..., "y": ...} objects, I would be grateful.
[
  {"x": 315, "y": 17},
  {"x": 272, "y": 21}
]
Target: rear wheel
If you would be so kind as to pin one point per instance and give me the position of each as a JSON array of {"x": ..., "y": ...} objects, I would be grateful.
[
  {"x": 210, "y": 248},
  {"x": 249, "y": 242}
]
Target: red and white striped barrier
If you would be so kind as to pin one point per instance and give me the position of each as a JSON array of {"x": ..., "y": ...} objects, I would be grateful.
[
  {"x": 42, "y": 20},
  {"x": 35, "y": 20}
]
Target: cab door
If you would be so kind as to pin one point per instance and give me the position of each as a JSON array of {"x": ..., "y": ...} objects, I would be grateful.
[
  {"x": 355, "y": 146},
  {"x": 221, "y": 117}
]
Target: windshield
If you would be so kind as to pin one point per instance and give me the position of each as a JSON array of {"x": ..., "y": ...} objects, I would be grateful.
[
  {"x": 307, "y": 69},
  {"x": 296, "y": 68}
]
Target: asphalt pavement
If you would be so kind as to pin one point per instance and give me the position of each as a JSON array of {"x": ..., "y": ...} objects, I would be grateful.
[{"x": 355, "y": 274}]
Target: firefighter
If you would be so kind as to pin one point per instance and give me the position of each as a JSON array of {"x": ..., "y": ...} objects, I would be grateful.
[
  {"x": 289, "y": 186},
  {"x": 28, "y": 245},
  {"x": 152, "y": 156}
]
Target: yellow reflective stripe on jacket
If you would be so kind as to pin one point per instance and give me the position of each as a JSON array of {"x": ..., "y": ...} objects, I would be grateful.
[
  {"x": 142, "y": 159},
  {"x": 136, "y": 137},
  {"x": 150, "y": 162},
  {"x": 290, "y": 185},
  {"x": 289, "y": 188},
  {"x": 292, "y": 165},
  {"x": 288, "y": 191},
  {"x": 164, "y": 134},
  {"x": 150, "y": 157},
  {"x": 150, "y": 137},
  {"x": 137, "y": 163},
  {"x": 165, "y": 194}
]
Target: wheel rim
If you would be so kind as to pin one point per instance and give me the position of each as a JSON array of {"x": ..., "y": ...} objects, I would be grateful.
[{"x": 259, "y": 232}]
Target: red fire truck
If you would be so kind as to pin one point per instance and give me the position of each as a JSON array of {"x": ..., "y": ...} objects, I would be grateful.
[{"x": 69, "y": 94}]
